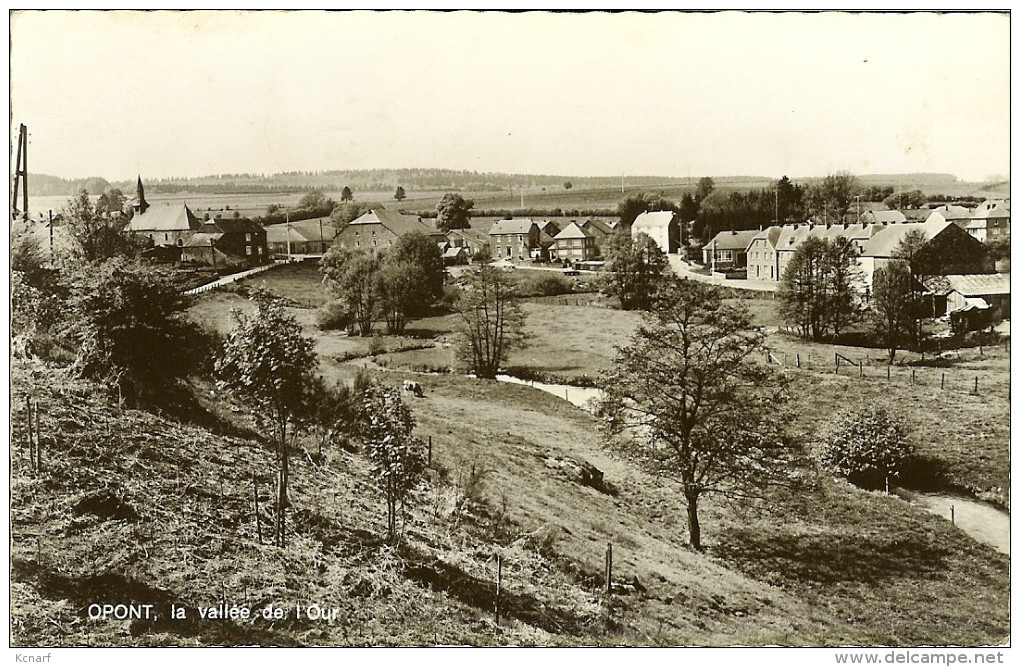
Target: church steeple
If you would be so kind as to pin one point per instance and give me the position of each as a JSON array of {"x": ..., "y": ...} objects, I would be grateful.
[{"x": 141, "y": 205}]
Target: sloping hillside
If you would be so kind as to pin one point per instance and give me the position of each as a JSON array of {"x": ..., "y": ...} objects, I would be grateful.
[{"x": 134, "y": 507}]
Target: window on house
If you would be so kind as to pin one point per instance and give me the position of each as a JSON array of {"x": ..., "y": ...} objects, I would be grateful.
[
  {"x": 248, "y": 249},
  {"x": 166, "y": 237},
  {"x": 247, "y": 237}
]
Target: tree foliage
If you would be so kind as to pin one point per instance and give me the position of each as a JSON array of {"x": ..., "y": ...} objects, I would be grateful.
[
  {"x": 315, "y": 200},
  {"x": 891, "y": 309},
  {"x": 346, "y": 195},
  {"x": 453, "y": 212},
  {"x": 634, "y": 269},
  {"x": 687, "y": 397},
  {"x": 819, "y": 291},
  {"x": 130, "y": 327},
  {"x": 908, "y": 199},
  {"x": 352, "y": 276},
  {"x": 111, "y": 203},
  {"x": 269, "y": 364},
  {"x": 830, "y": 199},
  {"x": 423, "y": 254},
  {"x": 96, "y": 237},
  {"x": 397, "y": 456},
  {"x": 344, "y": 213},
  {"x": 399, "y": 194},
  {"x": 634, "y": 205},
  {"x": 705, "y": 187},
  {"x": 400, "y": 292},
  {"x": 867, "y": 445},
  {"x": 491, "y": 323}
]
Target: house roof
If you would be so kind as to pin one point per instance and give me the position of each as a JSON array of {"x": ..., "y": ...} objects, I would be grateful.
[
  {"x": 202, "y": 239},
  {"x": 279, "y": 234},
  {"x": 979, "y": 284},
  {"x": 178, "y": 218},
  {"x": 950, "y": 212},
  {"x": 398, "y": 223},
  {"x": 732, "y": 240},
  {"x": 992, "y": 209},
  {"x": 769, "y": 234},
  {"x": 453, "y": 253},
  {"x": 233, "y": 225},
  {"x": 654, "y": 219},
  {"x": 884, "y": 216},
  {"x": 474, "y": 235},
  {"x": 885, "y": 240},
  {"x": 598, "y": 226},
  {"x": 512, "y": 226},
  {"x": 573, "y": 231}
]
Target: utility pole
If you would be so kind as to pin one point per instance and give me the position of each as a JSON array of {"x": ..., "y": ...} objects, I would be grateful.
[
  {"x": 858, "y": 198},
  {"x": 51, "y": 232},
  {"x": 777, "y": 206},
  {"x": 288, "y": 236},
  {"x": 21, "y": 173},
  {"x": 322, "y": 244}
]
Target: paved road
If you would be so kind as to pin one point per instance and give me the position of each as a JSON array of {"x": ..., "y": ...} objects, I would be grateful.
[
  {"x": 232, "y": 278},
  {"x": 682, "y": 268}
]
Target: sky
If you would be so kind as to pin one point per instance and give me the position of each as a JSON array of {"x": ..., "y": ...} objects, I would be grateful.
[{"x": 162, "y": 94}]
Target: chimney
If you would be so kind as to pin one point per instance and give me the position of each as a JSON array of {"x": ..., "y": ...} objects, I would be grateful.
[{"x": 733, "y": 232}]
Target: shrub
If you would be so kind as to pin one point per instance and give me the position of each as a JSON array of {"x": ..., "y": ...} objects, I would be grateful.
[
  {"x": 866, "y": 445},
  {"x": 333, "y": 317},
  {"x": 129, "y": 323}
]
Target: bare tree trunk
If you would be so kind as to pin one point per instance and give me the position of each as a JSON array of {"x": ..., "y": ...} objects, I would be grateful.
[
  {"x": 284, "y": 475},
  {"x": 694, "y": 526}
]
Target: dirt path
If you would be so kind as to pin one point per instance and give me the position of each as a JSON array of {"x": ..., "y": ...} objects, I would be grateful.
[{"x": 979, "y": 520}]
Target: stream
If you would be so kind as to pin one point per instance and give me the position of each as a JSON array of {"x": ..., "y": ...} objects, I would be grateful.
[{"x": 982, "y": 521}]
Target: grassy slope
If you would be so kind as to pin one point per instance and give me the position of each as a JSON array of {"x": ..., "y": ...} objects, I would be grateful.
[{"x": 836, "y": 567}]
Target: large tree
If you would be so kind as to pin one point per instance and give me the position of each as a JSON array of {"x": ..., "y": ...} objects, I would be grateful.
[
  {"x": 687, "y": 397},
  {"x": 927, "y": 268},
  {"x": 422, "y": 253},
  {"x": 267, "y": 363},
  {"x": 346, "y": 195},
  {"x": 352, "y": 276},
  {"x": 111, "y": 203},
  {"x": 831, "y": 198},
  {"x": 891, "y": 309},
  {"x": 400, "y": 293},
  {"x": 399, "y": 194},
  {"x": 705, "y": 187},
  {"x": 453, "y": 212},
  {"x": 491, "y": 323},
  {"x": 634, "y": 268},
  {"x": 819, "y": 292}
]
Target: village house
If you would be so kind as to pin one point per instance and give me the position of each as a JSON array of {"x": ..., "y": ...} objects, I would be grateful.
[
  {"x": 227, "y": 242},
  {"x": 662, "y": 226},
  {"x": 380, "y": 229},
  {"x": 988, "y": 222},
  {"x": 762, "y": 257},
  {"x": 574, "y": 244},
  {"x": 514, "y": 238},
  {"x": 950, "y": 248},
  {"x": 728, "y": 250},
  {"x": 305, "y": 237},
  {"x": 472, "y": 241}
]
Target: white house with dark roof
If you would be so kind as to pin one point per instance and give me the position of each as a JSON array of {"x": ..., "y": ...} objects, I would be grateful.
[
  {"x": 663, "y": 227},
  {"x": 728, "y": 250},
  {"x": 988, "y": 222},
  {"x": 379, "y": 229}
]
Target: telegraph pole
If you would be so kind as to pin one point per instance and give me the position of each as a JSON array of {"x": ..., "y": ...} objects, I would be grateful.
[{"x": 288, "y": 236}]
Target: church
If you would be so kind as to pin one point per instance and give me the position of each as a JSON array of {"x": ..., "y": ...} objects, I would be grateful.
[{"x": 168, "y": 225}]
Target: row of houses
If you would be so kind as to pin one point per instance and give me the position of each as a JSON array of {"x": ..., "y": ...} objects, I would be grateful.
[{"x": 765, "y": 253}]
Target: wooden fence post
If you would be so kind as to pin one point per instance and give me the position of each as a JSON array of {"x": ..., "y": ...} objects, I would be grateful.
[
  {"x": 952, "y": 514},
  {"x": 430, "y": 451},
  {"x": 912, "y": 372},
  {"x": 609, "y": 567},
  {"x": 975, "y": 387},
  {"x": 499, "y": 584},
  {"x": 837, "y": 363},
  {"x": 38, "y": 436},
  {"x": 943, "y": 384},
  {"x": 798, "y": 360},
  {"x": 258, "y": 516},
  {"x": 860, "y": 366},
  {"x": 888, "y": 372}
]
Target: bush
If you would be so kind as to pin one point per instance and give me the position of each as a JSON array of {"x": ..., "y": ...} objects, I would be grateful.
[
  {"x": 333, "y": 317},
  {"x": 551, "y": 285},
  {"x": 130, "y": 325},
  {"x": 866, "y": 445}
]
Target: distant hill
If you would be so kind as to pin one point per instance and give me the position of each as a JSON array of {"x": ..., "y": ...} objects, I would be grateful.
[{"x": 422, "y": 180}]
